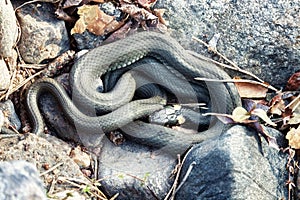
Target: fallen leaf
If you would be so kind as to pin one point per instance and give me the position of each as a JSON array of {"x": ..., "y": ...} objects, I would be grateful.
[
  {"x": 250, "y": 90},
  {"x": 295, "y": 119},
  {"x": 146, "y": 3},
  {"x": 293, "y": 83},
  {"x": 159, "y": 13},
  {"x": 98, "y": 1},
  {"x": 277, "y": 105},
  {"x": 240, "y": 114},
  {"x": 139, "y": 14},
  {"x": 262, "y": 130},
  {"x": 272, "y": 142},
  {"x": 293, "y": 136},
  {"x": 94, "y": 20},
  {"x": 262, "y": 115},
  {"x": 226, "y": 119}
]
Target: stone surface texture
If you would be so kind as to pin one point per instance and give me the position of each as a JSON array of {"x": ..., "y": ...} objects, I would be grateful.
[
  {"x": 260, "y": 36},
  {"x": 238, "y": 165},
  {"x": 20, "y": 180},
  {"x": 43, "y": 35}
]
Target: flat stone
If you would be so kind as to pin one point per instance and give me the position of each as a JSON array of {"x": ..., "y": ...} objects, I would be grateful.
[
  {"x": 43, "y": 35},
  {"x": 238, "y": 165},
  {"x": 133, "y": 171},
  {"x": 20, "y": 180}
]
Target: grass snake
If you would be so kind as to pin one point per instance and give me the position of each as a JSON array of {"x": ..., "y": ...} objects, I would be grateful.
[{"x": 95, "y": 114}]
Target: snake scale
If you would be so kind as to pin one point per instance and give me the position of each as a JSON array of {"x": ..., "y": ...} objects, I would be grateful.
[{"x": 116, "y": 107}]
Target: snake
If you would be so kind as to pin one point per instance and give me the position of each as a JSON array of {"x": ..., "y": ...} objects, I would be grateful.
[{"x": 94, "y": 113}]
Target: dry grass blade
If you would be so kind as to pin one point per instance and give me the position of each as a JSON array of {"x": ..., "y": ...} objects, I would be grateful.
[
  {"x": 233, "y": 67},
  {"x": 82, "y": 184},
  {"x": 172, "y": 192},
  {"x": 21, "y": 84},
  {"x": 238, "y": 81},
  {"x": 52, "y": 168}
]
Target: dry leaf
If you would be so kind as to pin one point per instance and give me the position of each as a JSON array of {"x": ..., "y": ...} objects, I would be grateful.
[
  {"x": 146, "y": 3},
  {"x": 137, "y": 13},
  {"x": 240, "y": 114},
  {"x": 98, "y": 1},
  {"x": 293, "y": 83},
  {"x": 159, "y": 13},
  {"x": 92, "y": 19},
  {"x": 293, "y": 136},
  {"x": 263, "y": 115},
  {"x": 251, "y": 90},
  {"x": 295, "y": 119},
  {"x": 277, "y": 105}
]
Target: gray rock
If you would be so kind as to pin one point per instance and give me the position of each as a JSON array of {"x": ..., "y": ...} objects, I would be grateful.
[
  {"x": 42, "y": 153},
  {"x": 20, "y": 180},
  {"x": 260, "y": 36},
  {"x": 5, "y": 76},
  {"x": 238, "y": 165},
  {"x": 43, "y": 35},
  {"x": 8, "y": 29},
  {"x": 8, "y": 107},
  {"x": 134, "y": 172}
]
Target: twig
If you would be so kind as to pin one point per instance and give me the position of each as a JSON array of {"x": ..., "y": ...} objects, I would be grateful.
[
  {"x": 11, "y": 83},
  {"x": 292, "y": 102},
  {"x": 71, "y": 181},
  {"x": 216, "y": 52},
  {"x": 238, "y": 81},
  {"x": 189, "y": 104},
  {"x": 35, "y": 1},
  {"x": 233, "y": 67},
  {"x": 51, "y": 189},
  {"x": 188, "y": 172},
  {"x": 173, "y": 189},
  {"x": 3, "y": 136},
  {"x": 33, "y": 66},
  {"x": 22, "y": 84},
  {"x": 51, "y": 169}
]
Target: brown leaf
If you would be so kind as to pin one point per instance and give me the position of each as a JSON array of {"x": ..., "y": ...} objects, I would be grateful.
[
  {"x": 95, "y": 21},
  {"x": 146, "y": 3},
  {"x": 122, "y": 32},
  {"x": 137, "y": 13},
  {"x": 262, "y": 130},
  {"x": 98, "y": 1},
  {"x": 293, "y": 136},
  {"x": 251, "y": 90},
  {"x": 159, "y": 13},
  {"x": 277, "y": 105},
  {"x": 293, "y": 83}
]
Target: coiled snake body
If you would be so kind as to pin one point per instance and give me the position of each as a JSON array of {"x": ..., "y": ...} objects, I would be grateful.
[{"x": 177, "y": 66}]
